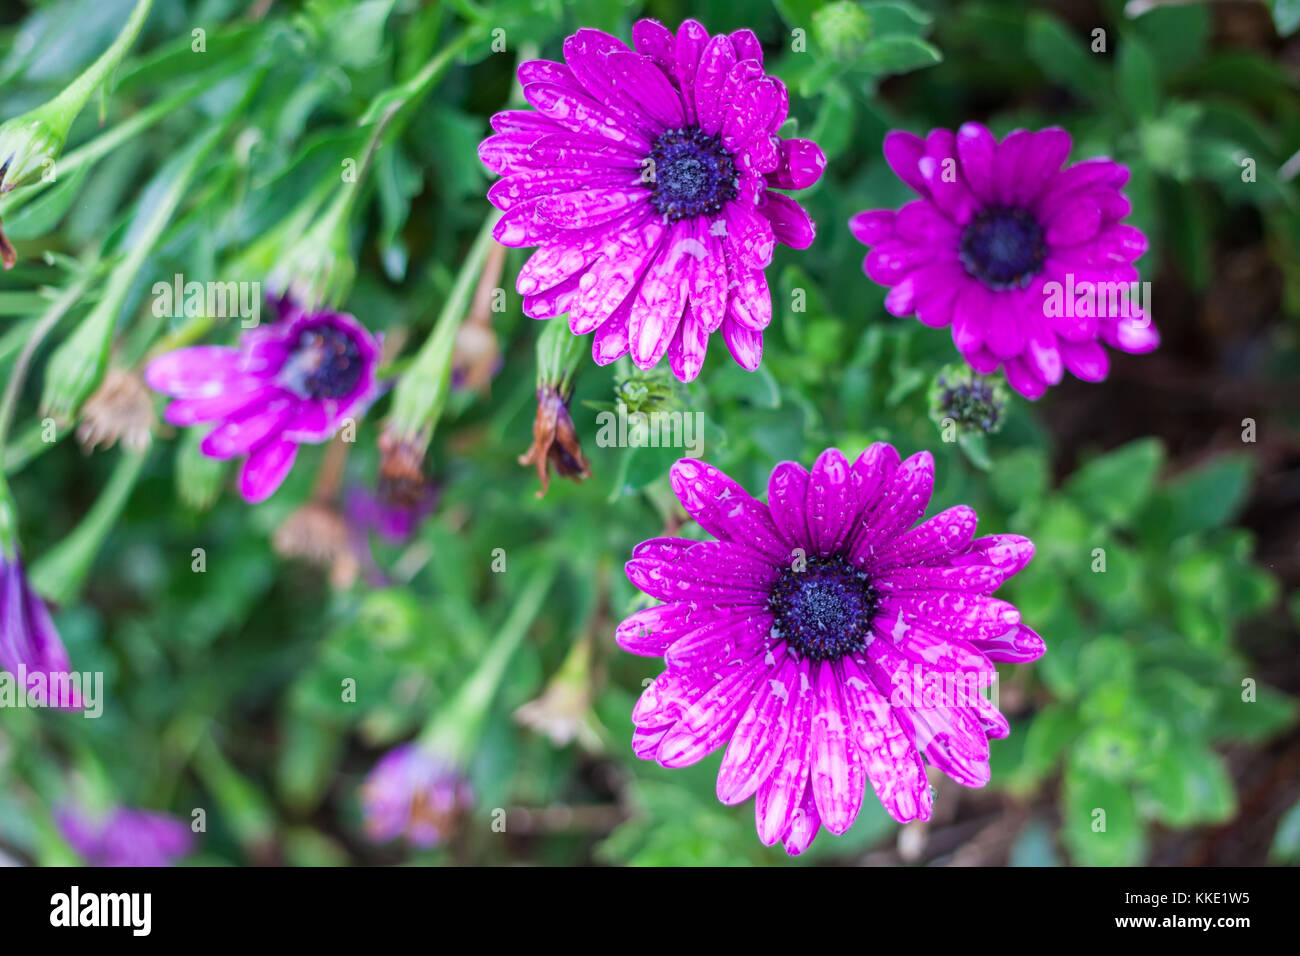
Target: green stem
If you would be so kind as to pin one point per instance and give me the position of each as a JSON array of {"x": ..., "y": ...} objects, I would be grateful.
[
  {"x": 59, "y": 573},
  {"x": 455, "y": 731},
  {"x": 44, "y": 324},
  {"x": 69, "y": 103},
  {"x": 105, "y": 143},
  {"x": 419, "y": 397},
  {"x": 29, "y": 445},
  {"x": 405, "y": 96}
]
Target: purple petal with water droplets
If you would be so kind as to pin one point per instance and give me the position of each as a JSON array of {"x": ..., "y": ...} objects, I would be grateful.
[
  {"x": 787, "y": 500},
  {"x": 780, "y": 795},
  {"x": 707, "y": 724},
  {"x": 759, "y": 739},
  {"x": 724, "y": 509},
  {"x": 836, "y": 778},
  {"x": 890, "y": 760}
]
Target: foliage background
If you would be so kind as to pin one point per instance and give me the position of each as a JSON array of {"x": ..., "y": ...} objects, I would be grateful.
[{"x": 223, "y": 686}]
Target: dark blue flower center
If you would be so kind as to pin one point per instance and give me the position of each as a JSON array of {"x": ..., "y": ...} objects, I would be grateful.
[
  {"x": 824, "y": 611},
  {"x": 693, "y": 174},
  {"x": 326, "y": 364},
  {"x": 1003, "y": 247}
]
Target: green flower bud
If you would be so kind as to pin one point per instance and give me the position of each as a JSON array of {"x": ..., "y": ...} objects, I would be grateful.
[
  {"x": 842, "y": 29},
  {"x": 77, "y": 366},
  {"x": 317, "y": 270},
  {"x": 974, "y": 404},
  {"x": 29, "y": 145}
]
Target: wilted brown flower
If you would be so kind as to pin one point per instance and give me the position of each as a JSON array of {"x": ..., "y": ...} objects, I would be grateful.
[
  {"x": 121, "y": 408},
  {"x": 402, "y": 480},
  {"x": 563, "y": 712},
  {"x": 317, "y": 533},
  {"x": 555, "y": 442}
]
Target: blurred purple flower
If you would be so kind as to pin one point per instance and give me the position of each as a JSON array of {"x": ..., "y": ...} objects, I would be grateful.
[
  {"x": 29, "y": 644},
  {"x": 414, "y": 793},
  {"x": 833, "y": 644},
  {"x": 291, "y": 381},
  {"x": 647, "y": 178},
  {"x": 392, "y": 519},
  {"x": 125, "y": 837},
  {"x": 995, "y": 223}
]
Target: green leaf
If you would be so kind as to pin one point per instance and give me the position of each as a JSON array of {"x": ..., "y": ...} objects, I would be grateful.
[
  {"x": 1021, "y": 476},
  {"x": 1049, "y": 733},
  {"x": 43, "y": 214},
  {"x": 891, "y": 55},
  {"x": 891, "y": 18},
  {"x": 1099, "y": 821},
  {"x": 1188, "y": 784},
  {"x": 1200, "y": 499},
  {"x": 832, "y": 130},
  {"x": 1065, "y": 57},
  {"x": 1135, "y": 74},
  {"x": 1114, "y": 486},
  {"x": 1286, "y": 842}
]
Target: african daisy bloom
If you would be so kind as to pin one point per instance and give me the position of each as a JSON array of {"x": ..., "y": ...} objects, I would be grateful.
[
  {"x": 294, "y": 380},
  {"x": 30, "y": 647},
  {"x": 125, "y": 837},
  {"x": 647, "y": 177},
  {"x": 999, "y": 230},
  {"x": 804, "y": 637},
  {"x": 415, "y": 793}
]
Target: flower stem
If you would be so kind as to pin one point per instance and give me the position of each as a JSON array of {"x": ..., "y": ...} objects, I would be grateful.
[
  {"x": 59, "y": 573},
  {"x": 419, "y": 397},
  {"x": 65, "y": 107},
  {"x": 57, "y": 310},
  {"x": 455, "y": 730}
]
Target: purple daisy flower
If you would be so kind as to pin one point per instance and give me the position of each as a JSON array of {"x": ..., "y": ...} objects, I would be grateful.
[
  {"x": 125, "y": 837},
  {"x": 1000, "y": 232},
  {"x": 294, "y": 380},
  {"x": 647, "y": 178},
  {"x": 414, "y": 793},
  {"x": 30, "y": 647},
  {"x": 830, "y": 641}
]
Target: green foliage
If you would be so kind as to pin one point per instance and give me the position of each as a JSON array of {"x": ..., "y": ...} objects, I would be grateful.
[{"x": 224, "y": 684}]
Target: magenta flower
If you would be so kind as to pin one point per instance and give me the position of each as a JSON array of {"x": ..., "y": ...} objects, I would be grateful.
[
  {"x": 647, "y": 178},
  {"x": 414, "y": 793},
  {"x": 30, "y": 647},
  {"x": 1030, "y": 264},
  {"x": 125, "y": 837},
  {"x": 830, "y": 641},
  {"x": 294, "y": 380}
]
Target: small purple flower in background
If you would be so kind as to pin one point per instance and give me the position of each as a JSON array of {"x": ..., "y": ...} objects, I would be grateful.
[
  {"x": 30, "y": 647},
  {"x": 126, "y": 837},
  {"x": 294, "y": 380},
  {"x": 830, "y": 641},
  {"x": 996, "y": 225},
  {"x": 392, "y": 518},
  {"x": 647, "y": 178},
  {"x": 414, "y": 793}
]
